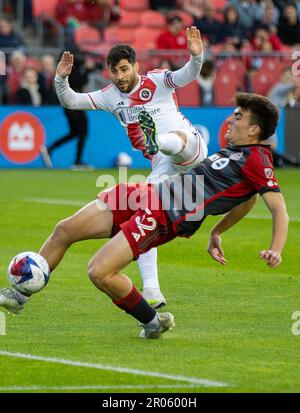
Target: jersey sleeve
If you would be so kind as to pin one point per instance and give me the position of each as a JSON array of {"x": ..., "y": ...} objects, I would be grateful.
[
  {"x": 79, "y": 101},
  {"x": 178, "y": 78},
  {"x": 259, "y": 173}
]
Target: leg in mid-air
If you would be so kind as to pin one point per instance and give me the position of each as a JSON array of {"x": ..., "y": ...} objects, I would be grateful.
[
  {"x": 185, "y": 148},
  {"x": 93, "y": 221},
  {"x": 176, "y": 152}
]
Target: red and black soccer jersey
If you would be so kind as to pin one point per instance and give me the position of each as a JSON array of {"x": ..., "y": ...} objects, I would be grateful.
[{"x": 221, "y": 182}]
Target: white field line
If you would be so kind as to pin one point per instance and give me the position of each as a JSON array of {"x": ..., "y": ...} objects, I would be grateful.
[
  {"x": 112, "y": 387},
  {"x": 51, "y": 201},
  {"x": 193, "y": 380}
]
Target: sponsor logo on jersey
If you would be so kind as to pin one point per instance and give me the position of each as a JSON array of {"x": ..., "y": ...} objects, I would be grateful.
[
  {"x": 269, "y": 173},
  {"x": 145, "y": 94},
  {"x": 214, "y": 157},
  {"x": 220, "y": 163},
  {"x": 271, "y": 183},
  {"x": 236, "y": 156}
]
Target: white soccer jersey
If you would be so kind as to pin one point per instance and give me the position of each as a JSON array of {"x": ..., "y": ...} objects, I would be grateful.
[{"x": 154, "y": 93}]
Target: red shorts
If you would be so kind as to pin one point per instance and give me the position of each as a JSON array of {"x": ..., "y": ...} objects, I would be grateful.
[{"x": 138, "y": 212}]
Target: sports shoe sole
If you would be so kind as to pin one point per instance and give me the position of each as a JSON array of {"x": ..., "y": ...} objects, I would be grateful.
[{"x": 149, "y": 130}]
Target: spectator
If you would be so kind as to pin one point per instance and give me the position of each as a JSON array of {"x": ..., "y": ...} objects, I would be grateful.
[
  {"x": 206, "y": 80},
  {"x": 163, "y": 6},
  {"x": 8, "y": 38},
  {"x": 46, "y": 78},
  {"x": 95, "y": 79},
  {"x": 265, "y": 41},
  {"x": 297, "y": 3},
  {"x": 249, "y": 12},
  {"x": 193, "y": 7},
  {"x": 270, "y": 16},
  {"x": 15, "y": 74},
  {"x": 289, "y": 26},
  {"x": 208, "y": 25},
  {"x": 30, "y": 92},
  {"x": 232, "y": 28},
  {"x": 173, "y": 38},
  {"x": 282, "y": 93},
  {"x": 77, "y": 119},
  {"x": 95, "y": 12}
]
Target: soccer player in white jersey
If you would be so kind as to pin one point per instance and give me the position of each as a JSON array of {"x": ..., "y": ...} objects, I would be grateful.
[{"x": 147, "y": 107}]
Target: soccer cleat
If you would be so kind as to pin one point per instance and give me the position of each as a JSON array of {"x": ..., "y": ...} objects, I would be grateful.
[
  {"x": 11, "y": 300},
  {"x": 46, "y": 156},
  {"x": 154, "y": 298},
  {"x": 166, "y": 321},
  {"x": 149, "y": 130}
]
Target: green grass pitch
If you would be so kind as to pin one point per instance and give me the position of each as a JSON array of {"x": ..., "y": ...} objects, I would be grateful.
[{"x": 233, "y": 323}]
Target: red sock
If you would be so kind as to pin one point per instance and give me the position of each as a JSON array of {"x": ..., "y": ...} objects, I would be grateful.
[{"x": 135, "y": 305}]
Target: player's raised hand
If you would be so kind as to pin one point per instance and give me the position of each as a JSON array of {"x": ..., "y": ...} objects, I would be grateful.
[
  {"x": 193, "y": 36},
  {"x": 65, "y": 65},
  {"x": 214, "y": 249},
  {"x": 272, "y": 258}
]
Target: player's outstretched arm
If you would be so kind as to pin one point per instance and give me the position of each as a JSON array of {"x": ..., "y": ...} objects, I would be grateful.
[
  {"x": 276, "y": 204},
  {"x": 231, "y": 218},
  {"x": 192, "y": 68},
  {"x": 67, "y": 96}
]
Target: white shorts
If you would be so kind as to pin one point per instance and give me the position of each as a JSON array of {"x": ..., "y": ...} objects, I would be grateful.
[{"x": 163, "y": 165}]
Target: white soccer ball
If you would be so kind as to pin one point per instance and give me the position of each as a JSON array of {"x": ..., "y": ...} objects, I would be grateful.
[{"x": 28, "y": 272}]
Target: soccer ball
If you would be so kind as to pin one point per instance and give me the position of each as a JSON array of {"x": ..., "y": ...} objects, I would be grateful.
[{"x": 28, "y": 272}]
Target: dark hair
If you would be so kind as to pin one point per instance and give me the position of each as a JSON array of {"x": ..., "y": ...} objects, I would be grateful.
[
  {"x": 263, "y": 112},
  {"x": 119, "y": 52},
  {"x": 174, "y": 19},
  {"x": 227, "y": 10}
]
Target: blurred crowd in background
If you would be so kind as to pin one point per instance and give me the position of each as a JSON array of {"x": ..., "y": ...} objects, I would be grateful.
[{"x": 248, "y": 46}]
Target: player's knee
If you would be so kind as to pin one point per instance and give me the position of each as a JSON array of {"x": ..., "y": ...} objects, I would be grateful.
[
  {"x": 63, "y": 232},
  {"x": 98, "y": 275}
]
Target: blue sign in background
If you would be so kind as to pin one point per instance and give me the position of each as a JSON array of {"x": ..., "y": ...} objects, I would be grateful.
[{"x": 107, "y": 138}]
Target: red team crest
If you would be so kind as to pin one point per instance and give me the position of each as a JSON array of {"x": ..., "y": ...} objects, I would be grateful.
[{"x": 21, "y": 136}]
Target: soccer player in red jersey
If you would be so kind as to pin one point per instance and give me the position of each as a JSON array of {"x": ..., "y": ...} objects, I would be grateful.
[
  {"x": 139, "y": 217},
  {"x": 146, "y": 106}
]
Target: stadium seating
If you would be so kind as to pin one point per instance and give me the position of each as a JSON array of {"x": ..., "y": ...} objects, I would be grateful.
[
  {"x": 130, "y": 19},
  {"x": 273, "y": 66},
  {"x": 46, "y": 7},
  {"x": 235, "y": 66},
  {"x": 145, "y": 38},
  {"x": 262, "y": 82},
  {"x": 115, "y": 34},
  {"x": 134, "y": 5},
  {"x": 153, "y": 19},
  {"x": 86, "y": 35},
  {"x": 189, "y": 95},
  {"x": 219, "y": 4},
  {"x": 225, "y": 86}
]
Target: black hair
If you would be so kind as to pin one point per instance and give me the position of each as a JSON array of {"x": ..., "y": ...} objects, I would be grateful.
[
  {"x": 119, "y": 52},
  {"x": 263, "y": 112}
]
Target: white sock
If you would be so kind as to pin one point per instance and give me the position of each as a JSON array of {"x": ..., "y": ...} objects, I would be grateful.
[
  {"x": 154, "y": 323},
  {"x": 148, "y": 267},
  {"x": 169, "y": 143}
]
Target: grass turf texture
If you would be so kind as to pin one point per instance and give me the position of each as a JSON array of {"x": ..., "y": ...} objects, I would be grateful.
[{"x": 233, "y": 323}]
